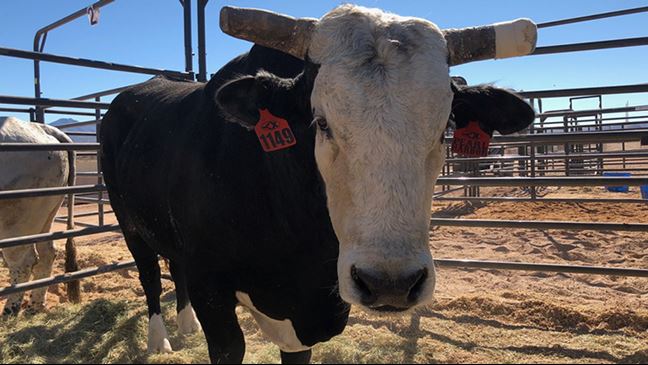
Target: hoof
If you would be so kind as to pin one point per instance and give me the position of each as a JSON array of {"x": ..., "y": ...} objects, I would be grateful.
[
  {"x": 162, "y": 347},
  {"x": 187, "y": 321},
  {"x": 33, "y": 309},
  {"x": 158, "y": 339},
  {"x": 12, "y": 310}
]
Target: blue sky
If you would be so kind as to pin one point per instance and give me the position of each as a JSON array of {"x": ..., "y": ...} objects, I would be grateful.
[{"x": 149, "y": 33}]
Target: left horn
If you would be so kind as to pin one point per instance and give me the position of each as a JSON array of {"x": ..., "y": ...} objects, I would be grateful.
[
  {"x": 500, "y": 40},
  {"x": 269, "y": 29}
]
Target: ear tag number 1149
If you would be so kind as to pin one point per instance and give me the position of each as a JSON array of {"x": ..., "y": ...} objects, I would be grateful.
[{"x": 274, "y": 133}]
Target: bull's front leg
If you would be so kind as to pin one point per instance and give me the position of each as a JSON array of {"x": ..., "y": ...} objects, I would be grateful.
[{"x": 216, "y": 311}]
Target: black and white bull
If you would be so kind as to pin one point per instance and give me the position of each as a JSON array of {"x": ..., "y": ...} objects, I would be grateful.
[
  {"x": 23, "y": 217},
  {"x": 328, "y": 203}
]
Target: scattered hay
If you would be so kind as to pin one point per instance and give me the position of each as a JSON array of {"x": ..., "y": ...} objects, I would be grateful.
[
  {"x": 101, "y": 331},
  {"x": 459, "y": 330},
  {"x": 549, "y": 315}
]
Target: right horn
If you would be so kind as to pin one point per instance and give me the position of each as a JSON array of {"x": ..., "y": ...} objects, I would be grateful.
[
  {"x": 269, "y": 29},
  {"x": 500, "y": 40}
]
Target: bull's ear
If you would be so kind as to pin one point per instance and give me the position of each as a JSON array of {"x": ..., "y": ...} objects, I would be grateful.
[
  {"x": 496, "y": 109},
  {"x": 239, "y": 99}
]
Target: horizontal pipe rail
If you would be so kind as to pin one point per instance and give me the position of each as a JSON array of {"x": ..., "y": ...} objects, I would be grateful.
[
  {"x": 540, "y": 200},
  {"x": 471, "y": 181},
  {"x": 15, "y": 110},
  {"x": 27, "y": 147},
  {"x": 449, "y": 191},
  {"x": 575, "y": 137},
  {"x": 560, "y": 125},
  {"x": 441, "y": 263},
  {"x": 522, "y": 224},
  {"x": 572, "y": 170},
  {"x": 22, "y": 100},
  {"x": 86, "y": 134},
  {"x": 544, "y": 181},
  {"x": 65, "y": 112},
  {"x": 572, "y": 269},
  {"x": 607, "y": 155},
  {"x": 592, "y": 17},
  {"x": 48, "y": 57},
  {"x": 79, "y": 124},
  {"x": 591, "y": 46},
  {"x": 83, "y": 215},
  {"x": 589, "y": 112},
  {"x": 99, "y": 94},
  {"x": 89, "y": 173},
  {"x": 64, "y": 278},
  {"x": 578, "y": 137},
  {"x": 80, "y": 224},
  {"x": 33, "y": 193},
  {"x": 602, "y": 90},
  {"x": 25, "y": 240},
  {"x": 91, "y": 200},
  {"x": 538, "y": 125}
]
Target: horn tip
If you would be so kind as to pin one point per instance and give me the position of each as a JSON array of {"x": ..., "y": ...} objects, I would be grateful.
[
  {"x": 228, "y": 17},
  {"x": 515, "y": 38},
  {"x": 224, "y": 18}
]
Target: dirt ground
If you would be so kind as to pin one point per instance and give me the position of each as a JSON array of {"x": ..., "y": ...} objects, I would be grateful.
[{"x": 479, "y": 316}]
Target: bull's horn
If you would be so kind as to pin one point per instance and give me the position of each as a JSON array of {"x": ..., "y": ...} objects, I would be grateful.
[
  {"x": 500, "y": 40},
  {"x": 269, "y": 29}
]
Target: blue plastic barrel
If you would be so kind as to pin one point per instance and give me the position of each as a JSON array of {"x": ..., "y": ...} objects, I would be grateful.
[
  {"x": 644, "y": 192},
  {"x": 618, "y": 189}
]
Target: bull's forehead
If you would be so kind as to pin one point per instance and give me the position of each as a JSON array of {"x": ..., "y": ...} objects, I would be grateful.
[
  {"x": 382, "y": 73},
  {"x": 354, "y": 35}
]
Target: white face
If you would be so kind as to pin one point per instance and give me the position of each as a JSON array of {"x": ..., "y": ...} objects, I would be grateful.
[{"x": 383, "y": 88}]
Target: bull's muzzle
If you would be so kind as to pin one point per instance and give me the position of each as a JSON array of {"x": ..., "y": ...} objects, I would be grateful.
[{"x": 389, "y": 292}]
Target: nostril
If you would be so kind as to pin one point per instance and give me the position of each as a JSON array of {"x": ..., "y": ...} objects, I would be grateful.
[
  {"x": 417, "y": 288},
  {"x": 361, "y": 286}
]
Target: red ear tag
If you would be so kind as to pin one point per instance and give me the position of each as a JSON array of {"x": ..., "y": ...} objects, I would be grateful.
[
  {"x": 471, "y": 141},
  {"x": 274, "y": 133}
]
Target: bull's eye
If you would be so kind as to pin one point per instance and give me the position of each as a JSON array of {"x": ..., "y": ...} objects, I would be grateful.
[{"x": 322, "y": 124}]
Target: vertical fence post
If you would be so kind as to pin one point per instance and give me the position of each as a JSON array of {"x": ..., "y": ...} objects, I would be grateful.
[
  {"x": 186, "y": 8},
  {"x": 566, "y": 147},
  {"x": 71, "y": 262},
  {"x": 100, "y": 195},
  {"x": 202, "y": 52},
  {"x": 39, "y": 43}
]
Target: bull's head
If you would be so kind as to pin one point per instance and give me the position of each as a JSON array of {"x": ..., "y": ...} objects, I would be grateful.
[{"x": 379, "y": 91}]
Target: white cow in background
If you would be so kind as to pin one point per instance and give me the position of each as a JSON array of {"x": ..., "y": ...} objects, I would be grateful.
[{"x": 28, "y": 216}]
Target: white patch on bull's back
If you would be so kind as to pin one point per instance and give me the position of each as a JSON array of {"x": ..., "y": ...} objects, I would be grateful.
[
  {"x": 22, "y": 217},
  {"x": 281, "y": 333},
  {"x": 187, "y": 321},
  {"x": 158, "y": 339},
  {"x": 384, "y": 88}
]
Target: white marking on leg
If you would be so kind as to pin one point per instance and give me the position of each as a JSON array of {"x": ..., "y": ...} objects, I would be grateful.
[
  {"x": 158, "y": 338},
  {"x": 187, "y": 321},
  {"x": 281, "y": 333}
]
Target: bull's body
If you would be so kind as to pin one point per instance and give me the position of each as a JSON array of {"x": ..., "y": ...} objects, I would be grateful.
[
  {"x": 200, "y": 191},
  {"x": 23, "y": 217}
]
